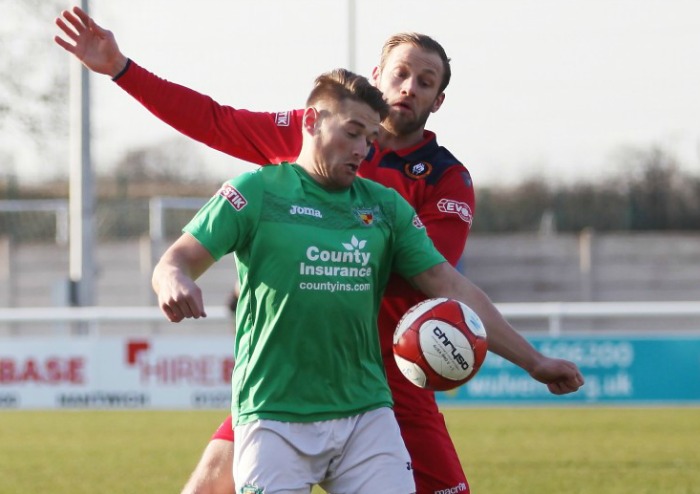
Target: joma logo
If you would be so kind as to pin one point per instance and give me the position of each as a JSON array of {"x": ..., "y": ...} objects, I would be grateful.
[{"x": 305, "y": 211}]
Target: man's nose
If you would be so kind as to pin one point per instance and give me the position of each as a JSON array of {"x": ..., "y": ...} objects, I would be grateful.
[
  {"x": 361, "y": 150},
  {"x": 408, "y": 86}
]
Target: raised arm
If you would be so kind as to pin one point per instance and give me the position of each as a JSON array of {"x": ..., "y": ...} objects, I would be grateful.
[
  {"x": 256, "y": 137},
  {"x": 560, "y": 376}
]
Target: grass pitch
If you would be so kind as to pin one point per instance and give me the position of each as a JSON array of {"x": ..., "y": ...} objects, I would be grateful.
[{"x": 504, "y": 451}]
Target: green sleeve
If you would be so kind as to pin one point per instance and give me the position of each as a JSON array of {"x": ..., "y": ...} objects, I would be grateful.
[{"x": 226, "y": 223}]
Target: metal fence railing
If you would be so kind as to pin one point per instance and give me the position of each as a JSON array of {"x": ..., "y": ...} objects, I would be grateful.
[{"x": 553, "y": 314}]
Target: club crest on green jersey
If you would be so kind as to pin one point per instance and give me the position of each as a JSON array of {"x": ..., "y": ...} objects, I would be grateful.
[{"x": 366, "y": 216}]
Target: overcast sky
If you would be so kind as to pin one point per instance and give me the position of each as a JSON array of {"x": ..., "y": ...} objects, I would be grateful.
[{"x": 553, "y": 87}]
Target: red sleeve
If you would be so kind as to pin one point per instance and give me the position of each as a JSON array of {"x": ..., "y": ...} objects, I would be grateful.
[
  {"x": 257, "y": 137},
  {"x": 447, "y": 213}
]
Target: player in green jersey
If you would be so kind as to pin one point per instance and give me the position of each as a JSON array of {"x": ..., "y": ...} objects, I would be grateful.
[{"x": 314, "y": 247}]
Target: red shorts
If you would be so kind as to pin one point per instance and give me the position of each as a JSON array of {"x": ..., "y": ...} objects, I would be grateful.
[
  {"x": 436, "y": 465},
  {"x": 435, "y": 462},
  {"x": 225, "y": 430}
]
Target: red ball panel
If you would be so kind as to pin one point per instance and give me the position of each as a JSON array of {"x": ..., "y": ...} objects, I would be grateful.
[{"x": 440, "y": 344}]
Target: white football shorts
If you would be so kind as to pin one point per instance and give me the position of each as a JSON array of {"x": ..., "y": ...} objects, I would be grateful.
[{"x": 363, "y": 453}]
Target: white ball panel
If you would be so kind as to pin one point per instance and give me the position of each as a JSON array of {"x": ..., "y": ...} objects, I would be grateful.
[
  {"x": 446, "y": 349},
  {"x": 411, "y": 371},
  {"x": 473, "y": 321}
]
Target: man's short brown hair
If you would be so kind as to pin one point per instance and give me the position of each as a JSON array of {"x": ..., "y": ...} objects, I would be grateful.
[{"x": 341, "y": 84}]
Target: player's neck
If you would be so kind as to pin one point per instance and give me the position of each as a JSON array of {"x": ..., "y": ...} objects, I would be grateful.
[
  {"x": 389, "y": 140},
  {"x": 315, "y": 169}
]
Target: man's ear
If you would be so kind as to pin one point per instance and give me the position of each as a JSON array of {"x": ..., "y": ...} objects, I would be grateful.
[
  {"x": 376, "y": 74},
  {"x": 438, "y": 102},
  {"x": 310, "y": 120}
]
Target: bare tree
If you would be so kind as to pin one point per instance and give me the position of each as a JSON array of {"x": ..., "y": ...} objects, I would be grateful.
[
  {"x": 654, "y": 183},
  {"x": 33, "y": 84},
  {"x": 174, "y": 161},
  {"x": 650, "y": 192}
]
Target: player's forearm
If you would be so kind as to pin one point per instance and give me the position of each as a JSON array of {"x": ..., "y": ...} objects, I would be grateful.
[
  {"x": 183, "y": 262},
  {"x": 237, "y": 133},
  {"x": 183, "y": 109},
  {"x": 503, "y": 340}
]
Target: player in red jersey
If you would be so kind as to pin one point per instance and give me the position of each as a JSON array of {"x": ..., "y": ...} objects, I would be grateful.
[{"x": 413, "y": 73}]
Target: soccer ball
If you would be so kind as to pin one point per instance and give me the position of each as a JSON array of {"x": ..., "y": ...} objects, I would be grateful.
[{"x": 439, "y": 344}]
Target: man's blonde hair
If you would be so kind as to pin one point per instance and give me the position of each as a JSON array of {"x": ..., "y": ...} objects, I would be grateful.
[{"x": 421, "y": 41}]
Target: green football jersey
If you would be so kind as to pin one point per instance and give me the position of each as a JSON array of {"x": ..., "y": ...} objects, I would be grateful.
[{"x": 313, "y": 265}]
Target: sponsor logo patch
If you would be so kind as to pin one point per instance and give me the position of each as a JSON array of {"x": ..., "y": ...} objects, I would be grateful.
[
  {"x": 233, "y": 197},
  {"x": 352, "y": 261},
  {"x": 418, "y": 170},
  {"x": 461, "y": 487},
  {"x": 455, "y": 207},
  {"x": 417, "y": 222},
  {"x": 283, "y": 119}
]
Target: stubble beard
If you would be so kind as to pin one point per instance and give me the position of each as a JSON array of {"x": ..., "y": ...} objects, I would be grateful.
[{"x": 401, "y": 126}]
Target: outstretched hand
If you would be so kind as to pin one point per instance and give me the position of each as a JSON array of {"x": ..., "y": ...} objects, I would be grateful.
[
  {"x": 94, "y": 46},
  {"x": 560, "y": 376}
]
